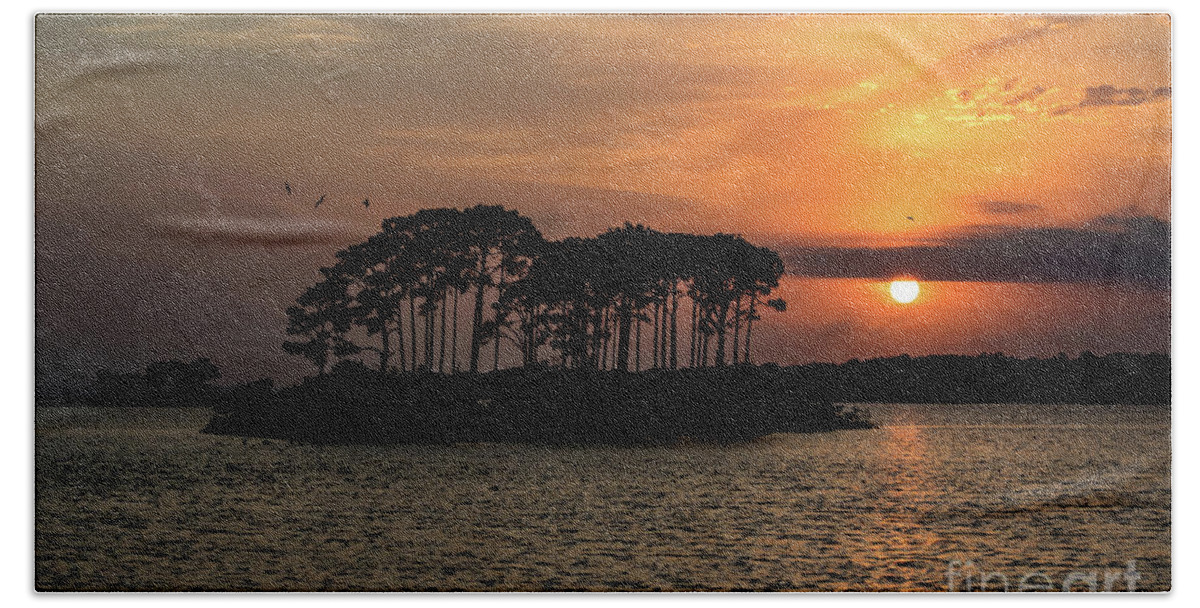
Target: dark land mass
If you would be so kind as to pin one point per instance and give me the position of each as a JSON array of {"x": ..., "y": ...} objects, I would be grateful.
[
  {"x": 355, "y": 404},
  {"x": 1118, "y": 378}
]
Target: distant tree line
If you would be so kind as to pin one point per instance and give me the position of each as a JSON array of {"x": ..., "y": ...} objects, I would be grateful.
[
  {"x": 1116, "y": 378},
  {"x": 355, "y": 404},
  {"x": 172, "y": 383},
  {"x": 584, "y": 303}
]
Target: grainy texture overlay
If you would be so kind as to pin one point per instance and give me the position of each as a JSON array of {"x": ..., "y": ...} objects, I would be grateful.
[{"x": 603, "y": 302}]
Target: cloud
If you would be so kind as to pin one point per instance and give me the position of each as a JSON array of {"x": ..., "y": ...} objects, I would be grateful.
[
  {"x": 1023, "y": 35},
  {"x": 1029, "y": 95},
  {"x": 1108, "y": 95},
  {"x": 1000, "y": 99},
  {"x": 1105, "y": 95},
  {"x": 1035, "y": 28},
  {"x": 254, "y": 231},
  {"x": 1008, "y": 207},
  {"x": 1112, "y": 249}
]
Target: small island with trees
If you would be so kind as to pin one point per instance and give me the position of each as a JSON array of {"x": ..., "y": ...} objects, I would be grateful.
[{"x": 634, "y": 336}]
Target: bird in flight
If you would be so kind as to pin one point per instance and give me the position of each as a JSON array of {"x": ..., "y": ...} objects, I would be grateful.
[
  {"x": 288, "y": 188},
  {"x": 910, "y": 218},
  {"x": 367, "y": 203},
  {"x": 319, "y": 201}
]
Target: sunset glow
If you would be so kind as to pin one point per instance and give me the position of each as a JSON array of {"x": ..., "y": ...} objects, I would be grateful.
[
  {"x": 600, "y": 302},
  {"x": 984, "y": 150}
]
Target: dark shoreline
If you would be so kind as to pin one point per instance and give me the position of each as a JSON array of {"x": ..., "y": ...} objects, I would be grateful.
[
  {"x": 355, "y": 404},
  {"x": 553, "y": 407}
]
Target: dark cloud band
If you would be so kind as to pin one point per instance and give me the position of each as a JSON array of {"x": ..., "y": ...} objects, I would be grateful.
[
  {"x": 1108, "y": 95},
  {"x": 1008, "y": 207},
  {"x": 243, "y": 231},
  {"x": 1120, "y": 250}
]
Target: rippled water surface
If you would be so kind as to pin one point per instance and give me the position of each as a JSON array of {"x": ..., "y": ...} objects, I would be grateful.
[{"x": 130, "y": 499}]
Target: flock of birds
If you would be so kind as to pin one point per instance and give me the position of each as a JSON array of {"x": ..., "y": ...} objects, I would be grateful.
[{"x": 287, "y": 187}]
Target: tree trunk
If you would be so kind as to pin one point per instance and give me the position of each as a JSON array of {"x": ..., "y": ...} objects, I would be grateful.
[
  {"x": 737, "y": 326},
  {"x": 613, "y": 333},
  {"x": 400, "y": 337},
  {"x": 385, "y": 350},
  {"x": 674, "y": 327},
  {"x": 430, "y": 332},
  {"x": 750, "y": 325},
  {"x": 601, "y": 325},
  {"x": 662, "y": 335},
  {"x": 720, "y": 326},
  {"x": 454, "y": 336},
  {"x": 499, "y": 318},
  {"x": 477, "y": 316},
  {"x": 694, "y": 327},
  {"x": 424, "y": 336},
  {"x": 607, "y": 336},
  {"x": 412, "y": 326},
  {"x": 529, "y": 346},
  {"x": 638, "y": 348},
  {"x": 442, "y": 340},
  {"x": 623, "y": 329},
  {"x": 654, "y": 348}
]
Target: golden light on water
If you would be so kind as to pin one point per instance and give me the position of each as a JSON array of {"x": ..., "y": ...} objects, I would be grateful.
[{"x": 905, "y": 291}]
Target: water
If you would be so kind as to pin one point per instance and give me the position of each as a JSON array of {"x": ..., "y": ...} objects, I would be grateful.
[{"x": 1007, "y": 491}]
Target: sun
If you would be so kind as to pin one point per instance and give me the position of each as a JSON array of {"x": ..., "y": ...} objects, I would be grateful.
[{"x": 905, "y": 291}]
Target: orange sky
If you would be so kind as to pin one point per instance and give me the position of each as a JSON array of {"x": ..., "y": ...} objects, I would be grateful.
[
  {"x": 155, "y": 131},
  {"x": 809, "y": 126}
]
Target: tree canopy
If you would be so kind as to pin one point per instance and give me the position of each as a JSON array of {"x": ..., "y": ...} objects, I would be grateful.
[{"x": 578, "y": 303}]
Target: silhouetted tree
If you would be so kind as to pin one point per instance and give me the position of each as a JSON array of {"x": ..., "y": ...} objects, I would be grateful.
[
  {"x": 491, "y": 238},
  {"x": 172, "y": 383},
  {"x": 380, "y": 277},
  {"x": 585, "y": 297},
  {"x": 321, "y": 319},
  {"x": 629, "y": 266},
  {"x": 725, "y": 271},
  {"x": 760, "y": 274},
  {"x": 179, "y": 376}
]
